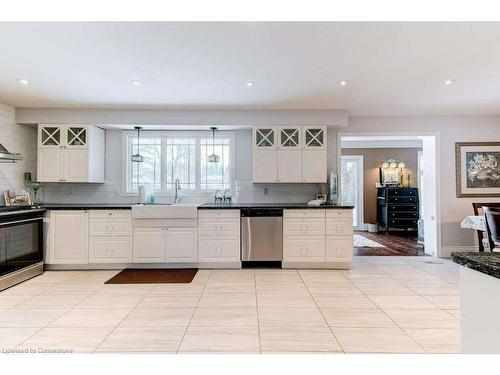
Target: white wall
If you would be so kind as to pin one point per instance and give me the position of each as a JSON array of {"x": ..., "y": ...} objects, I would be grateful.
[
  {"x": 451, "y": 129},
  {"x": 19, "y": 139}
]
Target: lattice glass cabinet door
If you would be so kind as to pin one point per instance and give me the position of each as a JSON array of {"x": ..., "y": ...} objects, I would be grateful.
[
  {"x": 50, "y": 136},
  {"x": 290, "y": 138},
  {"x": 264, "y": 138},
  {"x": 76, "y": 136},
  {"x": 314, "y": 137}
]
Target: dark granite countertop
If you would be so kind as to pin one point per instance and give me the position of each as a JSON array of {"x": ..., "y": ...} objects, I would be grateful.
[
  {"x": 487, "y": 263},
  {"x": 87, "y": 206},
  {"x": 214, "y": 206}
]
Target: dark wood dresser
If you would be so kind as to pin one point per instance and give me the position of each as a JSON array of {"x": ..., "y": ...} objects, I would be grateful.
[{"x": 397, "y": 208}]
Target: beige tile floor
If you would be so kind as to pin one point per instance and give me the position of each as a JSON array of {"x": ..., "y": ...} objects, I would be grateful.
[{"x": 381, "y": 305}]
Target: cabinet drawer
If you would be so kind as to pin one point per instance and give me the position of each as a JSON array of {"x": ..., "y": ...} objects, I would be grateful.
[
  {"x": 403, "y": 223},
  {"x": 304, "y": 227},
  {"x": 219, "y": 227},
  {"x": 304, "y": 249},
  {"x": 339, "y": 226},
  {"x": 402, "y": 192},
  {"x": 313, "y": 212},
  {"x": 339, "y": 249},
  {"x": 212, "y": 249},
  {"x": 403, "y": 214},
  {"x": 407, "y": 199},
  {"x": 345, "y": 213},
  {"x": 218, "y": 213},
  {"x": 110, "y": 250},
  {"x": 405, "y": 207},
  {"x": 101, "y": 214},
  {"x": 110, "y": 227}
]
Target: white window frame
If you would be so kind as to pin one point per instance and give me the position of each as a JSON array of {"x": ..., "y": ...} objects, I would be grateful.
[{"x": 165, "y": 134}]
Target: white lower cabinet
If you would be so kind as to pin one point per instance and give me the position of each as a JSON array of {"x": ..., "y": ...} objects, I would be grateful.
[
  {"x": 110, "y": 249},
  {"x": 181, "y": 245},
  {"x": 339, "y": 248},
  {"x": 149, "y": 245},
  {"x": 224, "y": 249},
  {"x": 219, "y": 236},
  {"x": 68, "y": 237},
  {"x": 304, "y": 249},
  {"x": 317, "y": 237}
]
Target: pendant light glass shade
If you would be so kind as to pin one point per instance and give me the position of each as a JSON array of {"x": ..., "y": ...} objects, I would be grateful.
[
  {"x": 137, "y": 158},
  {"x": 213, "y": 158}
]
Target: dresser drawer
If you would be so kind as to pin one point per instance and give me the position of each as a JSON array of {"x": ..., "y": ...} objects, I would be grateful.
[
  {"x": 304, "y": 249},
  {"x": 405, "y": 207},
  {"x": 400, "y": 192},
  {"x": 403, "y": 223},
  {"x": 403, "y": 215},
  {"x": 212, "y": 249},
  {"x": 339, "y": 249},
  {"x": 219, "y": 226},
  {"x": 340, "y": 213},
  {"x": 339, "y": 226},
  {"x": 102, "y": 214},
  {"x": 407, "y": 199},
  {"x": 110, "y": 227},
  {"x": 110, "y": 250},
  {"x": 304, "y": 227},
  {"x": 312, "y": 212},
  {"x": 225, "y": 213}
]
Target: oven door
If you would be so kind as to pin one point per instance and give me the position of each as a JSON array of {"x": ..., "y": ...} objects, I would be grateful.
[{"x": 21, "y": 243}]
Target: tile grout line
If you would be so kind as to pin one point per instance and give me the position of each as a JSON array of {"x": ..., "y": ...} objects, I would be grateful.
[
  {"x": 321, "y": 312},
  {"x": 194, "y": 311}
]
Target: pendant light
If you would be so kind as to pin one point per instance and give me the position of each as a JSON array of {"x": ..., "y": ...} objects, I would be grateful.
[
  {"x": 137, "y": 158},
  {"x": 213, "y": 158}
]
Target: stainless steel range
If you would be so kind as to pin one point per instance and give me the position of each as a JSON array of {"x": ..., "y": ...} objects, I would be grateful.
[{"x": 21, "y": 244}]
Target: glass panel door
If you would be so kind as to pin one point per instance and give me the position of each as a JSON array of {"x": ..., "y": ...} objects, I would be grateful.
[
  {"x": 314, "y": 137},
  {"x": 76, "y": 136},
  {"x": 51, "y": 136},
  {"x": 290, "y": 137},
  {"x": 351, "y": 191},
  {"x": 264, "y": 137}
]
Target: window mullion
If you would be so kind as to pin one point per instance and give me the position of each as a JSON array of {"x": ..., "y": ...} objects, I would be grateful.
[{"x": 197, "y": 164}]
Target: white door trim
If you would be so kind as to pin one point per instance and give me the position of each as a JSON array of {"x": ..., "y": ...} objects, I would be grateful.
[{"x": 438, "y": 168}]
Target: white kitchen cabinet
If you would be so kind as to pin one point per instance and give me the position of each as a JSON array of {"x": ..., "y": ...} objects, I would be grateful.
[
  {"x": 149, "y": 245},
  {"x": 218, "y": 249},
  {"x": 290, "y": 154},
  {"x": 289, "y": 165},
  {"x": 181, "y": 245},
  {"x": 70, "y": 153},
  {"x": 314, "y": 166},
  {"x": 50, "y": 165},
  {"x": 304, "y": 249},
  {"x": 68, "y": 237},
  {"x": 339, "y": 249},
  {"x": 219, "y": 236},
  {"x": 265, "y": 166},
  {"x": 110, "y": 249}
]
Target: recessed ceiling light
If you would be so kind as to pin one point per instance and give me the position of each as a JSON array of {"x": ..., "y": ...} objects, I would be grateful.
[
  {"x": 135, "y": 83},
  {"x": 343, "y": 83},
  {"x": 449, "y": 82},
  {"x": 23, "y": 81},
  {"x": 250, "y": 84}
]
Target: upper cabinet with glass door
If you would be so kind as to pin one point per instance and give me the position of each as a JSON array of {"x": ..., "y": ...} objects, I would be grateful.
[
  {"x": 290, "y": 137},
  {"x": 50, "y": 136},
  {"x": 314, "y": 137},
  {"x": 76, "y": 136},
  {"x": 264, "y": 138}
]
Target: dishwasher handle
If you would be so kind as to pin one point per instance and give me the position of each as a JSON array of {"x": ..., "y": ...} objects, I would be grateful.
[{"x": 261, "y": 212}]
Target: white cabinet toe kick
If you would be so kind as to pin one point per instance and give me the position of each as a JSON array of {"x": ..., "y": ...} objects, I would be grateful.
[{"x": 113, "y": 239}]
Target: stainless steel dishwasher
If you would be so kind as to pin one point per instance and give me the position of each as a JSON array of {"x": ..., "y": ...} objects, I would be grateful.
[{"x": 261, "y": 236}]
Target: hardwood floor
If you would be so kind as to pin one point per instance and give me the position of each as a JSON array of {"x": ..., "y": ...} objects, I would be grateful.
[{"x": 396, "y": 244}]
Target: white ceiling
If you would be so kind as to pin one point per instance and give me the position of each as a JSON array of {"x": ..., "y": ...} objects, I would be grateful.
[{"x": 391, "y": 68}]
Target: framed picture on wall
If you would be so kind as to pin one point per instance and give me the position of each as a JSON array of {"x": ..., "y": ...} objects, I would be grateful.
[{"x": 477, "y": 169}]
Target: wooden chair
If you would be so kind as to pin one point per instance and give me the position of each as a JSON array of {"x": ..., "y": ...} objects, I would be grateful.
[
  {"x": 492, "y": 221},
  {"x": 478, "y": 211}
]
